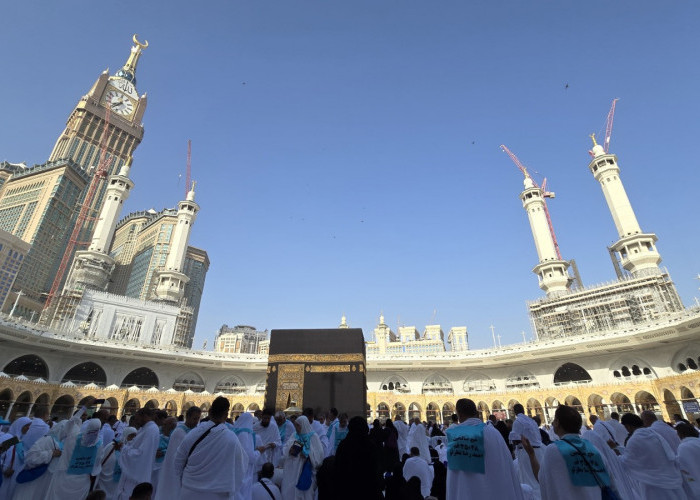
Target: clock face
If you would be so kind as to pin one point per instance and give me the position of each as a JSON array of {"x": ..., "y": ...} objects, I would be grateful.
[{"x": 119, "y": 103}]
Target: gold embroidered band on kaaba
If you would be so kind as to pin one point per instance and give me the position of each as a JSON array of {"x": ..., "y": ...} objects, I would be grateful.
[{"x": 316, "y": 358}]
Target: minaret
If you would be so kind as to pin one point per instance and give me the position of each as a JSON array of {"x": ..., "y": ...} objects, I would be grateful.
[
  {"x": 92, "y": 267},
  {"x": 551, "y": 271},
  {"x": 637, "y": 250},
  {"x": 171, "y": 280}
]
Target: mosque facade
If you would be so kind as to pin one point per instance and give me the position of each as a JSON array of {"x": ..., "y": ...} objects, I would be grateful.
[{"x": 122, "y": 327}]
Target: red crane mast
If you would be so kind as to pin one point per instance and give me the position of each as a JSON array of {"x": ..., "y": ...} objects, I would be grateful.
[
  {"x": 545, "y": 194},
  {"x": 609, "y": 125},
  {"x": 98, "y": 176},
  {"x": 188, "y": 174}
]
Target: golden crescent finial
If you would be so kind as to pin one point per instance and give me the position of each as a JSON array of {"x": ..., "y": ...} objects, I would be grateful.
[
  {"x": 142, "y": 45},
  {"x": 593, "y": 139}
]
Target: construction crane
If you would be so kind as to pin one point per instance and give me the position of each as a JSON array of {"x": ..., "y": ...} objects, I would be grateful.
[
  {"x": 188, "y": 173},
  {"x": 608, "y": 128},
  {"x": 609, "y": 125},
  {"x": 98, "y": 176},
  {"x": 545, "y": 194}
]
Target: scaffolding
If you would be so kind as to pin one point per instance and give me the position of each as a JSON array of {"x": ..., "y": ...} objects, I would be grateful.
[{"x": 621, "y": 304}]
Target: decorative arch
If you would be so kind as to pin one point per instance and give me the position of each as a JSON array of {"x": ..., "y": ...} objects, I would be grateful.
[
  {"x": 86, "y": 373},
  {"x": 522, "y": 380},
  {"x": 687, "y": 394},
  {"x": 499, "y": 410},
  {"x": 382, "y": 411},
  {"x": 484, "y": 410},
  {"x": 688, "y": 358},
  {"x": 646, "y": 401},
  {"x": 143, "y": 377},
  {"x": 131, "y": 407},
  {"x": 394, "y": 383},
  {"x": 630, "y": 368},
  {"x": 432, "y": 413},
  {"x": 43, "y": 401},
  {"x": 477, "y": 382},
  {"x": 237, "y": 410},
  {"x": 252, "y": 407},
  {"x": 621, "y": 403},
  {"x": 22, "y": 405},
  {"x": 205, "y": 409},
  {"x": 171, "y": 408},
  {"x": 533, "y": 408},
  {"x": 233, "y": 384},
  {"x": 189, "y": 381},
  {"x": 63, "y": 407},
  {"x": 29, "y": 365},
  {"x": 152, "y": 404},
  {"x": 448, "y": 409},
  {"x": 112, "y": 405},
  {"x": 571, "y": 373},
  {"x": 437, "y": 384},
  {"x": 399, "y": 410},
  {"x": 575, "y": 402},
  {"x": 672, "y": 405},
  {"x": 414, "y": 410},
  {"x": 6, "y": 398},
  {"x": 187, "y": 406},
  {"x": 596, "y": 404}
]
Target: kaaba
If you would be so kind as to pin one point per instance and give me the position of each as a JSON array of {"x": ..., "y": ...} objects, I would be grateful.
[{"x": 321, "y": 369}]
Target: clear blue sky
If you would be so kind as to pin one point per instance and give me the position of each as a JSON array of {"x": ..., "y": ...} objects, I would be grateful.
[{"x": 346, "y": 152}]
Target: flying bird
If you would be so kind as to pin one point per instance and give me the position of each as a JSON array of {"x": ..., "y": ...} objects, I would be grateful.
[{"x": 566, "y": 86}]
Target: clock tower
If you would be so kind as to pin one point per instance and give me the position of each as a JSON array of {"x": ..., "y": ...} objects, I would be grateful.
[{"x": 80, "y": 141}]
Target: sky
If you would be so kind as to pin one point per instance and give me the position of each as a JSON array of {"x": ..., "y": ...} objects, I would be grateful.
[{"x": 347, "y": 153}]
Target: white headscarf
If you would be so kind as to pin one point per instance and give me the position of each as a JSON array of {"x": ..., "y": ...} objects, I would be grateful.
[
  {"x": 245, "y": 421},
  {"x": 16, "y": 427},
  {"x": 304, "y": 424},
  {"x": 91, "y": 432},
  {"x": 36, "y": 431},
  {"x": 128, "y": 431}
]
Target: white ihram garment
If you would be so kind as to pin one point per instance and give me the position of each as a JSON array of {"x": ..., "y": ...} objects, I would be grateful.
[
  {"x": 136, "y": 459},
  {"x": 215, "y": 468},
  {"x": 499, "y": 480}
]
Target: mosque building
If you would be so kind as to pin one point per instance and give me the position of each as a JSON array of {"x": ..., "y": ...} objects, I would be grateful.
[{"x": 122, "y": 326}]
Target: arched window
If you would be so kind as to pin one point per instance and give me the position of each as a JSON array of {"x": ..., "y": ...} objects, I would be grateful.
[
  {"x": 143, "y": 377},
  {"x": 394, "y": 383},
  {"x": 437, "y": 384},
  {"x": 231, "y": 385},
  {"x": 189, "y": 380},
  {"x": 86, "y": 373},
  {"x": 522, "y": 380},
  {"x": 571, "y": 373},
  {"x": 478, "y": 383},
  {"x": 31, "y": 366}
]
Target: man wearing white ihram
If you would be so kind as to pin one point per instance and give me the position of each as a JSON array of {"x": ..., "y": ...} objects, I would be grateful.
[
  {"x": 137, "y": 456},
  {"x": 210, "y": 460},
  {"x": 483, "y": 469}
]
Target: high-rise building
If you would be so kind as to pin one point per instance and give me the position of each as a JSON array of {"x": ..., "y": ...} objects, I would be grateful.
[
  {"x": 241, "y": 339},
  {"x": 12, "y": 253},
  {"x": 37, "y": 205},
  {"x": 25, "y": 193},
  {"x": 80, "y": 140},
  {"x": 410, "y": 340},
  {"x": 141, "y": 245}
]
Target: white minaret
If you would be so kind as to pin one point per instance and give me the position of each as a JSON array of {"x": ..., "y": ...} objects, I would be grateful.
[
  {"x": 171, "y": 280},
  {"x": 637, "y": 250},
  {"x": 93, "y": 267},
  {"x": 551, "y": 271}
]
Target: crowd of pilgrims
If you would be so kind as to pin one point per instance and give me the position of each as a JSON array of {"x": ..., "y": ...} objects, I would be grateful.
[{"x": 328, "y": 456}]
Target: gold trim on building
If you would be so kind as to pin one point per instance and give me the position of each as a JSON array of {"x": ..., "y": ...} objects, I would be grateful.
[{"x": 317, "y": 358}]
